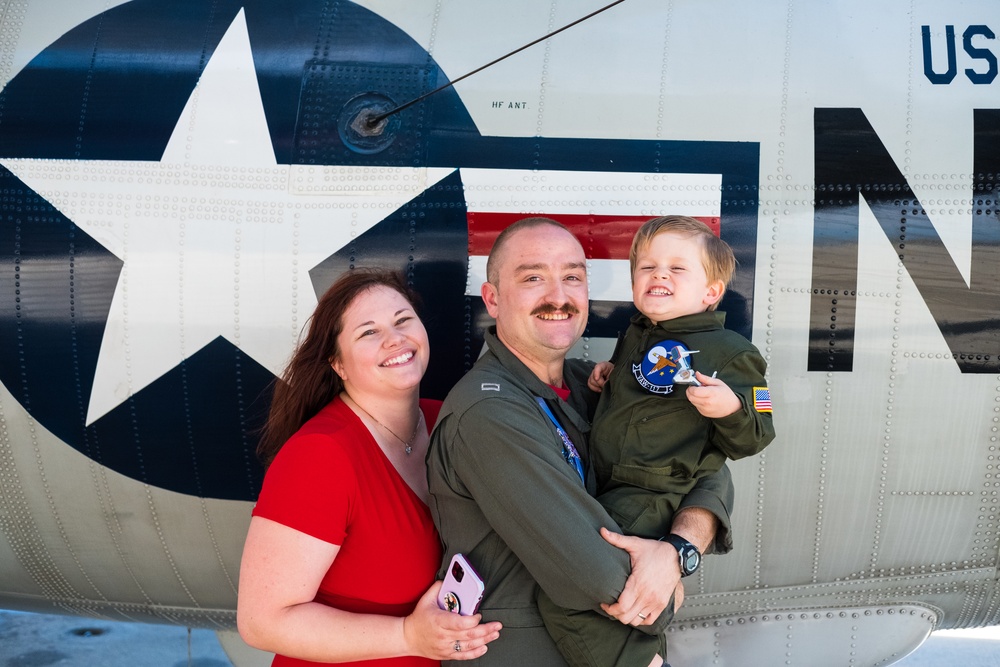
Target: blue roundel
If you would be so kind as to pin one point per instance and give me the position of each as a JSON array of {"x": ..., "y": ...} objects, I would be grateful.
[{"x": 113, "y": 88}]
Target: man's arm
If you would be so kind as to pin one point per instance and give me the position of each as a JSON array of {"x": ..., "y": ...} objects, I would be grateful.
[
  {"x": 696, "y": 525},
  {"x": 703, "y": 520},
  {"x": 713, "y": 495},
  {"x": 507, "y": 457}
]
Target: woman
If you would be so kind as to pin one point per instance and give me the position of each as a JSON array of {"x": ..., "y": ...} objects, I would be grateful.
[{"x": 341, "y": 554}]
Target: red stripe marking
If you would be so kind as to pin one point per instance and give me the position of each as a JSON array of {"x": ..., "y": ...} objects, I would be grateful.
[{"x": 602, "y": 236}]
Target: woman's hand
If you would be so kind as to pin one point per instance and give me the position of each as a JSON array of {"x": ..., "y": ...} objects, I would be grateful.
[
  {"x": 277, "y": 611},
  {"x": 434, "y": 633}
]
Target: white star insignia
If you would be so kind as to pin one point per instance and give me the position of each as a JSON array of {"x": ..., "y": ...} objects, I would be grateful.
[{"x": 217, "y": 239}]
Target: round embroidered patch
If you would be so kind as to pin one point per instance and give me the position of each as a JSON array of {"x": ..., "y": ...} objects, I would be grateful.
[{"x": 666, "y": 363}]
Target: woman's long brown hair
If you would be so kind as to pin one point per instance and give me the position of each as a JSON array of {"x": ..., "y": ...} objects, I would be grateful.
[{"x": 309, "y": 382}]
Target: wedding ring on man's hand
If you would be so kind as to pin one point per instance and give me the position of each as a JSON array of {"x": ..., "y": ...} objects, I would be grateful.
[
  {"x": 642, "y": 616},
  {"x": 458, "y": 647}
]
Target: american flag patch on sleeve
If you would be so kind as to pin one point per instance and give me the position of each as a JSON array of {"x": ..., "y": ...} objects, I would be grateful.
[{"x": 762, "y": 399}]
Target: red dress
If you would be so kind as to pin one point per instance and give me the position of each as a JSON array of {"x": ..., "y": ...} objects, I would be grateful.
[{"x": 333, "y": 482}]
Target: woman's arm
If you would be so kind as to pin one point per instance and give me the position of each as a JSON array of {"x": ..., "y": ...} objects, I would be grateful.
[{"x": 279, "y": 576}]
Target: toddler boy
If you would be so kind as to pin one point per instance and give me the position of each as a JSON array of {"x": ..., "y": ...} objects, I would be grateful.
[{"x": 680, "y": 396}]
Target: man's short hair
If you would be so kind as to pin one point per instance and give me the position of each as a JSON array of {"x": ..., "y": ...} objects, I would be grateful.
[
  {"x": 717, "y": 257},
  {"x": 493, "y": 261}
]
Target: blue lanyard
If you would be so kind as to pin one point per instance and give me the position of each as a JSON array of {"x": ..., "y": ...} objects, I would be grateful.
[{"x": 569, "y": 450}]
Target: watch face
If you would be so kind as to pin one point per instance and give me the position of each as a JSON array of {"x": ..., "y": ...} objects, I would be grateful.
[
  {"x": 690, "y": 558},
  {"x": 691, "y": 562}
]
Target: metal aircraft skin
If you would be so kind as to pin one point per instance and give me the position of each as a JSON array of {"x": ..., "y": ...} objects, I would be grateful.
[{"x": 179, "y": 179}]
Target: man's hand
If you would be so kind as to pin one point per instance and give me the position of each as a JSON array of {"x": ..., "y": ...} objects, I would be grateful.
[
  {"x": 655, "y": 578},
  {"x": 713, "y": 399}
]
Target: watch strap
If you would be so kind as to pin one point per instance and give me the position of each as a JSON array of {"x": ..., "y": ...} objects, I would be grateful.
[{"x": 684, "y": 551}]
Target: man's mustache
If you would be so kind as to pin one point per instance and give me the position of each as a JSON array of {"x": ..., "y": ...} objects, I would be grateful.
[{"x": 549, "y": 309}]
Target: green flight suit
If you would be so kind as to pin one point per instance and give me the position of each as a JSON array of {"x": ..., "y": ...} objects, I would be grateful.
[
  {"x": 649, "y": 447},
  {"x": 503, "y": 495}
]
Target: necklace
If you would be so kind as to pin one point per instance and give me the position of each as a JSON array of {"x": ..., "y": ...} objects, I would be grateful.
[{"x": 407, "y": 444}]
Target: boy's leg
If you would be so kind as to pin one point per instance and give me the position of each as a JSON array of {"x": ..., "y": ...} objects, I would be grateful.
[{"x": 590, "y": 639}]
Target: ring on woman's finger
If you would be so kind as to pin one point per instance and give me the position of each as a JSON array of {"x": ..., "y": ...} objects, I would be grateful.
[
  {"x": 458, "y": 646},
  {"x": 642, "y": 616}
]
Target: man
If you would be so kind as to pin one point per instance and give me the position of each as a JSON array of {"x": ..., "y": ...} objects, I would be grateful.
[{"x": 504, "y": 490}]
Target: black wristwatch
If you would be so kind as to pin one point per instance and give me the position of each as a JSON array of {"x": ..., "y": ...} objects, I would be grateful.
[{"x": 690, "y": 556}]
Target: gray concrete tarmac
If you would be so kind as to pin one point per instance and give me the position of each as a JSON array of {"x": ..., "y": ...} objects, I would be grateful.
[{"x": 37, "y": 640}]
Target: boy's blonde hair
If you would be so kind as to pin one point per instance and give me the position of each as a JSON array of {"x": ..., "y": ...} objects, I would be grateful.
[{"x": 717, "y": 256}]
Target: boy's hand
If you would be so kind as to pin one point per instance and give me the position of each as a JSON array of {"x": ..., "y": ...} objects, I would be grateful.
[
  {"x": 599, "y": 376},
  {"x": 713, "y": 399}
]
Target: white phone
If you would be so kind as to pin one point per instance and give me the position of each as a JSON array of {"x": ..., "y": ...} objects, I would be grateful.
[{"x": 462, "y": 590}]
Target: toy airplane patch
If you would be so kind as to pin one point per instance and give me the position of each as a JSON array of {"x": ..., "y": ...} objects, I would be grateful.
[{"x": 665, "y": 364}]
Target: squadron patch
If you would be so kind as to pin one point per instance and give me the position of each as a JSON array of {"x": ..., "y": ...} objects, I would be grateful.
[{"x": 667, "y": 363}]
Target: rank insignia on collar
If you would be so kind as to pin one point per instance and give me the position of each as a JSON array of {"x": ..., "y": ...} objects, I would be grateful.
[{"x": 667, "y": 363}]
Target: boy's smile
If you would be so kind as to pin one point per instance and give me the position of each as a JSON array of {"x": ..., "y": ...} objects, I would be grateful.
[{"x": 670, "y": 279}]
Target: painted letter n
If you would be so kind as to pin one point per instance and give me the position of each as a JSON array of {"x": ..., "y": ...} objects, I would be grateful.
[{"x": 852, "y": 162}]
